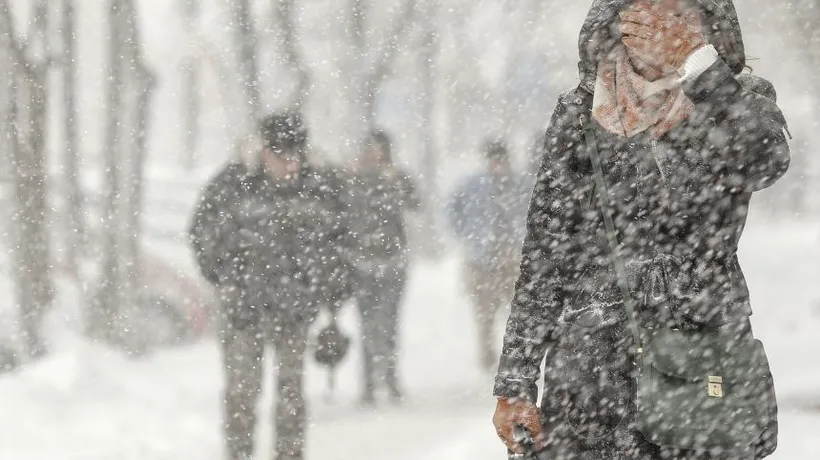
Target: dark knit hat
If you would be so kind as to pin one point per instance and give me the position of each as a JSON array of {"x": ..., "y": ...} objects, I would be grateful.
[
  {"x": 283, "y": 132},
  {"x": 496, "y": 150},
  {"x": 381, "y": 140}
]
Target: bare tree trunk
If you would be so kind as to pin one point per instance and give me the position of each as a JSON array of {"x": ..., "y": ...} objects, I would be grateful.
[
  {"x": 803, "y": 159},
  {"x": 103, "y": 321},
  {"x": 143, "y": 83},
  {"x": 810, "y": 18},
  {"x": 190, "y": 85},
  {"x": 32, "y": 198},
  {"x": 287, "y": 21},
  {"x": 246, "y": 40},
  {"x": 139, "y": 85},
  {"x": 371, "y": 63},
  {"x": 6, "y": 123},
  {"x": 75, "y": 236},
  {"x": 359, "y": 69},
  {"x": 34, "y": 287},
  {"x": 129, "y": 94},
  {"x": 429, "y": 164},
  {"x": 191, "y": 109}
]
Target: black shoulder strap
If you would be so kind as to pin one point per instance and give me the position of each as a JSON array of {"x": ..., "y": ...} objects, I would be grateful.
[{"x": 612, "y": 238}]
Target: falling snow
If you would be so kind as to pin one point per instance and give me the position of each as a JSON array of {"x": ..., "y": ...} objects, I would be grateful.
[{"x": 337, "y": 229}]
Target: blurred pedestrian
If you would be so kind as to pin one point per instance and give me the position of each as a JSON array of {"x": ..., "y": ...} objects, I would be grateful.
[
  {"x": 534, "y": 155},
  {"x": 487, "y": 213},
  {"x": 630, "y": 284},
  {"x": 379, "y": 196},
  {"x": 268, "y": 233}
]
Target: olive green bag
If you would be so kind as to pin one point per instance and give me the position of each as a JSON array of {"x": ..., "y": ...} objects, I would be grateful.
[{"x": 696, "y": 389}]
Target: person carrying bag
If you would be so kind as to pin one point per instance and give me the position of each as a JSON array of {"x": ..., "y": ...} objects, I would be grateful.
[
  {"x": 698, "y": 387},
  {"x": 630, "y": 288}
]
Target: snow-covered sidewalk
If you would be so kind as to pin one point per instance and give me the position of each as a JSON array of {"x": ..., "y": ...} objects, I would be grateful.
[{"x": 87, "y": 402}]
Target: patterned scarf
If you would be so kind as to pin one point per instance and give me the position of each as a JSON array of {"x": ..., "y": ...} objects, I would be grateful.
[{"x": 626, "y": 104}]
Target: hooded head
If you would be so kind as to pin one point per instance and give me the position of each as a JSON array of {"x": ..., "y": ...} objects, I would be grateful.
[
  {"x": 381, "y": 145},
  {"x": 600, "y": 33},
  {"x": 377, "y": 153},
  {"x": 498, "y": 156}
]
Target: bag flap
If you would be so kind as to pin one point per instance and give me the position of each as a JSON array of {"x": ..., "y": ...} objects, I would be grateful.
[{"x": 687, "y": 355}]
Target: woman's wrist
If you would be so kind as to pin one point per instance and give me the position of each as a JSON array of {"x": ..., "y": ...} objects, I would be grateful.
[{"x": 697, "y": 62}]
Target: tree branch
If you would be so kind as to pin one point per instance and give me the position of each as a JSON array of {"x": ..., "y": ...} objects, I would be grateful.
[
  {"x": 359, "y": 25},
  {"x": 288, "y": 23},
  {"x": 386, "y": 57},
  {"x": 145, "y": 76},
  {"x": 7, "y": 32},
  {"x": 246, "y": 38}
]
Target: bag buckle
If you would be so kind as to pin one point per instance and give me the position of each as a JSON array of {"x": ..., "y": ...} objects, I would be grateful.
[{"x": 715, "y": 386}]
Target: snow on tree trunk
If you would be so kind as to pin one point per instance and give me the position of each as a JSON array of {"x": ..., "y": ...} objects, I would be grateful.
[
  {"x": 116, "y": 307},
  {"x": 110, "y": 295},
  {"x": 191, "y": 84},
  {"x": 286, "y": 16},
  {"x": 429, "y": 156},
  {"x": 248, "y": 68},
  {"x": 369, "y": 66},
  {"x": 75, "y": 227},
  {"x": 32, "y": 274}
]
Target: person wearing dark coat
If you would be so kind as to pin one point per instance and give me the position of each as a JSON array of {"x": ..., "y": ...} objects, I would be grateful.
[
  {"x": 379, "y": 195},
  {"x": 684, "y": 140},
  {"x": 269, "y": 236}
]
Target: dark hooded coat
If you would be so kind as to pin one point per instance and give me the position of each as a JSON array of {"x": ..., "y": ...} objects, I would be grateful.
[
  {"x": 274, "y": 245},
  {"x": 680, "y": 204}
]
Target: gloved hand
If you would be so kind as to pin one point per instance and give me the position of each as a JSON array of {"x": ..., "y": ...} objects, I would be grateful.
[
  {"x": 512, "y": 414},
  {"x": 659, "y": 38}
]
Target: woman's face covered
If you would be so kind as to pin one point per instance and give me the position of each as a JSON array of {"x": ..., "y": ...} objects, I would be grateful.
[{"x": 660, "y": 34}]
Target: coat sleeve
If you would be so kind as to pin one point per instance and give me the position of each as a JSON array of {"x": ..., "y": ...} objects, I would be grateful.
[
  {"x": 337, "y": 242},
  {"x": 537, "y": 302},
  {"x": 457, "y": 210},
  {"x": 214, "y": 229},
  {"x": 340, "y": 229},
  {"x": 409, "y": 192},
  {"x": 745, "y": 148}
]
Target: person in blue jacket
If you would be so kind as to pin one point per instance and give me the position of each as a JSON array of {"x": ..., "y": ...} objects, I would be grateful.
[{"x": 487, "y": 213}]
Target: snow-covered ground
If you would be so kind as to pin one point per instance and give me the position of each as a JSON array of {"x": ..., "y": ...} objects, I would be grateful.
[{"x": 87, "y": 402}]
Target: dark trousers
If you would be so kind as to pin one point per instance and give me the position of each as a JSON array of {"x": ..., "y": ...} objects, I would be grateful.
[
  {"x": 243, "y": 351},
  {"x": 379, "y": 296}
]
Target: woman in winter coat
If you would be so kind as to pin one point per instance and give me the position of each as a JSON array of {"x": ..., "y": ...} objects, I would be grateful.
[{"x": 684, "y": 141}]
